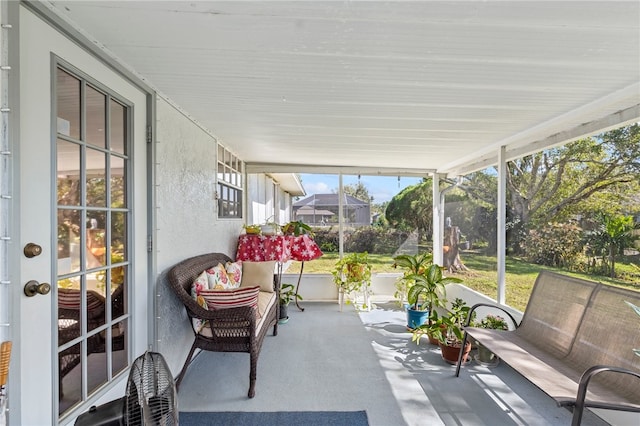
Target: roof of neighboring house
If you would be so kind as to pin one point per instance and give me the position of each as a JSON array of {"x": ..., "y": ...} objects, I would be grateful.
[
  {"x": 317, "y": 200},
  {"x": 308, "y": 210}
]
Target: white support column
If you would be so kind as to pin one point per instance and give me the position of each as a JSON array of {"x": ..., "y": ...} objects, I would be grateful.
[
  {"x": 502, "y": 225},
  {"x": 340, "y": 217},
  {"x": 438, "y": 221}
]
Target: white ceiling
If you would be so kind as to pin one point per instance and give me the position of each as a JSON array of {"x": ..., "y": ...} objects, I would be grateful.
[{"x": 380, "y": 86}]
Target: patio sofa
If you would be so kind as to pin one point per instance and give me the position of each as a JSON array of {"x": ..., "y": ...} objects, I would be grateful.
[
  {"x": 218, "y": 327},
  {"x": 574, "y": 342}
]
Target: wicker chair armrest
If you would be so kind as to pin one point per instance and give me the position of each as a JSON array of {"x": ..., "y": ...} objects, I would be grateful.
[{"x": 584, "y": 384}]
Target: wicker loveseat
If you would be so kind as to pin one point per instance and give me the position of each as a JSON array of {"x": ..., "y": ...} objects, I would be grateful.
[
  {"x": 574, "y": 342},
  {"x": 235, "y": 329}
]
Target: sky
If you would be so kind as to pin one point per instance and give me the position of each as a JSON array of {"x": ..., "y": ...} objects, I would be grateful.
[{"x": 381, "y": 188}]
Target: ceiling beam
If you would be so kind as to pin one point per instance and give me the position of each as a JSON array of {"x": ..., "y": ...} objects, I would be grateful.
[{"x": 345, "y": 170}]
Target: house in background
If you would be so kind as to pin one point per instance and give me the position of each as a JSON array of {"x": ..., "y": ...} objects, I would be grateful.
[{"x": 323, "y": 210}]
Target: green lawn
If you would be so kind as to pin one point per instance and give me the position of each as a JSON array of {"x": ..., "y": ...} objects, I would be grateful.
[{"x": 482, "y": 275}]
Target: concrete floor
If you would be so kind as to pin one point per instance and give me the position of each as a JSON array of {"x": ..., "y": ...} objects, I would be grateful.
[{"x": 327, "y": 360}]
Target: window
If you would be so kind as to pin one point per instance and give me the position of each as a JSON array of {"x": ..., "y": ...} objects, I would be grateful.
[
  {"x": 93, "y": 235},
  {"x": 230, "y": 181}
]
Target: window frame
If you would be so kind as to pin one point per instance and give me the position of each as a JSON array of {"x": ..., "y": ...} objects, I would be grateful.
[{"x": 230, "y": 185}]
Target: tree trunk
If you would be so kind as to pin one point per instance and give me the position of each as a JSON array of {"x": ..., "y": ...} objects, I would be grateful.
[
  {"x": 612, "y": 258},
  {"x": 451, "y": 249}
]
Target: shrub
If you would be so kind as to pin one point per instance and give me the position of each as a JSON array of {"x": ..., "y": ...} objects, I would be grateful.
[{"x": 556, "y": 244}]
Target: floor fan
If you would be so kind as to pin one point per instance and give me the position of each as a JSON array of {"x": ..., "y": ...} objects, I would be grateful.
[
  {"x": 151, "y": 393},
  {"x": 150, "y": 398}
]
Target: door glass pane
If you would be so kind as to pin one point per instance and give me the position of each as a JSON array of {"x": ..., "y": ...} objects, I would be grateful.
[
  {"x": 96, "y": 240},
  {"x": 68, "y": 241},
  {"x": 70, "y": 376},
  {"x": 118, "y": 234},
  {"x": 119, "y": 333},
  {"x": 68, "y": 173},
  {"x": 96, "y": 362},
  {"x": 117, "y": 127},
  {"x": 96, "y": 178},
  {"x": 118, "y": 292},
  {"x": 96, "y": 110},
  {"x": 118, "y": 196},
  {"x": 95, "y": 309},
  {"x": 69, "y": 320},
  {"x": 68, "y": 105}
]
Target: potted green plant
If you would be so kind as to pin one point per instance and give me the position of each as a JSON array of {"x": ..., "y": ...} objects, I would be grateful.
[
  {"x": 447, "y": 330},
  {"x": 287, "y": 295},
  {"x": 413, "y": 265},
  {"x": 270, "y": 228},
  {"x": 352, "y": 274},
  {"x": 428, "y": 291},
  {"x": 494, "y": 322},
  {"x": 297, "y": 228},
  {"x": 251, "y": 229}
]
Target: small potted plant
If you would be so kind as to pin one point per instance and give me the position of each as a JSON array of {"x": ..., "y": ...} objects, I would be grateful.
[
  {"x": 428, "y": 291},
  {"x": 251, "y": 229},
  {"x": 297, "y": 228},
  {"x": 412, "y": 265},
  {"x": 494, "y": 322},
  {"x": 287, "y": 295},
  {"x": 447, "y": 330},
  {"x": 352, "y": 274},
  {"x": 270, "y": 228}
]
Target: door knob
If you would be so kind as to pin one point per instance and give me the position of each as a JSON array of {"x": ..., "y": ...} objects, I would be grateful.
[
  {"x": 33, "y": 287},
  {"x": 32, "y": 250}
]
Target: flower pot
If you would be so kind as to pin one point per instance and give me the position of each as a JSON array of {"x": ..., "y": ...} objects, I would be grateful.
[
  {"x": 269, "y": 229},
  {"x": 356, "y": 271},
  {"x": 450, "y": 353},
  {"x": 284, "y": 311},
  {"x": 435, "y": 341},
  {"x": 485, "y": 357},
  {"x": 416, "y": 318}
]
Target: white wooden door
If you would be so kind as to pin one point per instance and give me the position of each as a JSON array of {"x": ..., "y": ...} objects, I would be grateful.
[{"x": 82, "y": 198}]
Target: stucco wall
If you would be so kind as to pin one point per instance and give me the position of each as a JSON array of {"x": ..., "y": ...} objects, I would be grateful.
[{"x": 186, "y": 218}]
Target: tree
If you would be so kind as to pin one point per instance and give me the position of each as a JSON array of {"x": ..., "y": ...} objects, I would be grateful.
[
  {"x": 590, "y": 175},
  {"x": 545, "y": 185},
  {"x": 358, "y": 190},
  {"x": 412, "y": 209},
  {"x": 614, "y": 234}
]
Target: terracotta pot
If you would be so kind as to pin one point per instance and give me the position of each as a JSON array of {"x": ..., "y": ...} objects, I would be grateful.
[
  {"x": 451, "y": 353},
  {"x": 435, "y": 341}
]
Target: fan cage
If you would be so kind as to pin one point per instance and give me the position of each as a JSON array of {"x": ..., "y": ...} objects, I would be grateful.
[{"x": 151, "y": 393}]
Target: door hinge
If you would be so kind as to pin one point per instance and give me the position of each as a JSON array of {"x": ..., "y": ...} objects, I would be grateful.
[
  {"x": 149, "y": 133},
  {"x": 149, "y": 244}
]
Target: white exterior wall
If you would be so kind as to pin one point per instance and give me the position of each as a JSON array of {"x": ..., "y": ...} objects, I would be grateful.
[
  {"x": 266, "y": 201},
  {"x": 187, "y": 221},
  {"x": 186, "y": 218}
]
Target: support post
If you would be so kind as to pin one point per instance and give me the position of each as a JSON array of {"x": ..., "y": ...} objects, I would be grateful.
[{"x": 502, "y": 225}]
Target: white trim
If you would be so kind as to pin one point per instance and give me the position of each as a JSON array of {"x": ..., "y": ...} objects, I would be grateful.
[{"x": 501, "y": 224}]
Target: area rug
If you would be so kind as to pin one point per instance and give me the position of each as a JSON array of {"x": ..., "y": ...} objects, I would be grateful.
[{"x": 276, "y": 418}]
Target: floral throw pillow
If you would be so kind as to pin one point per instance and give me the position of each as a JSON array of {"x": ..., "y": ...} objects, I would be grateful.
[
  {"x": 218, "y": 278},
  {"x": 199, "y": 285},
  {"x": 234, "y": 272}
]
